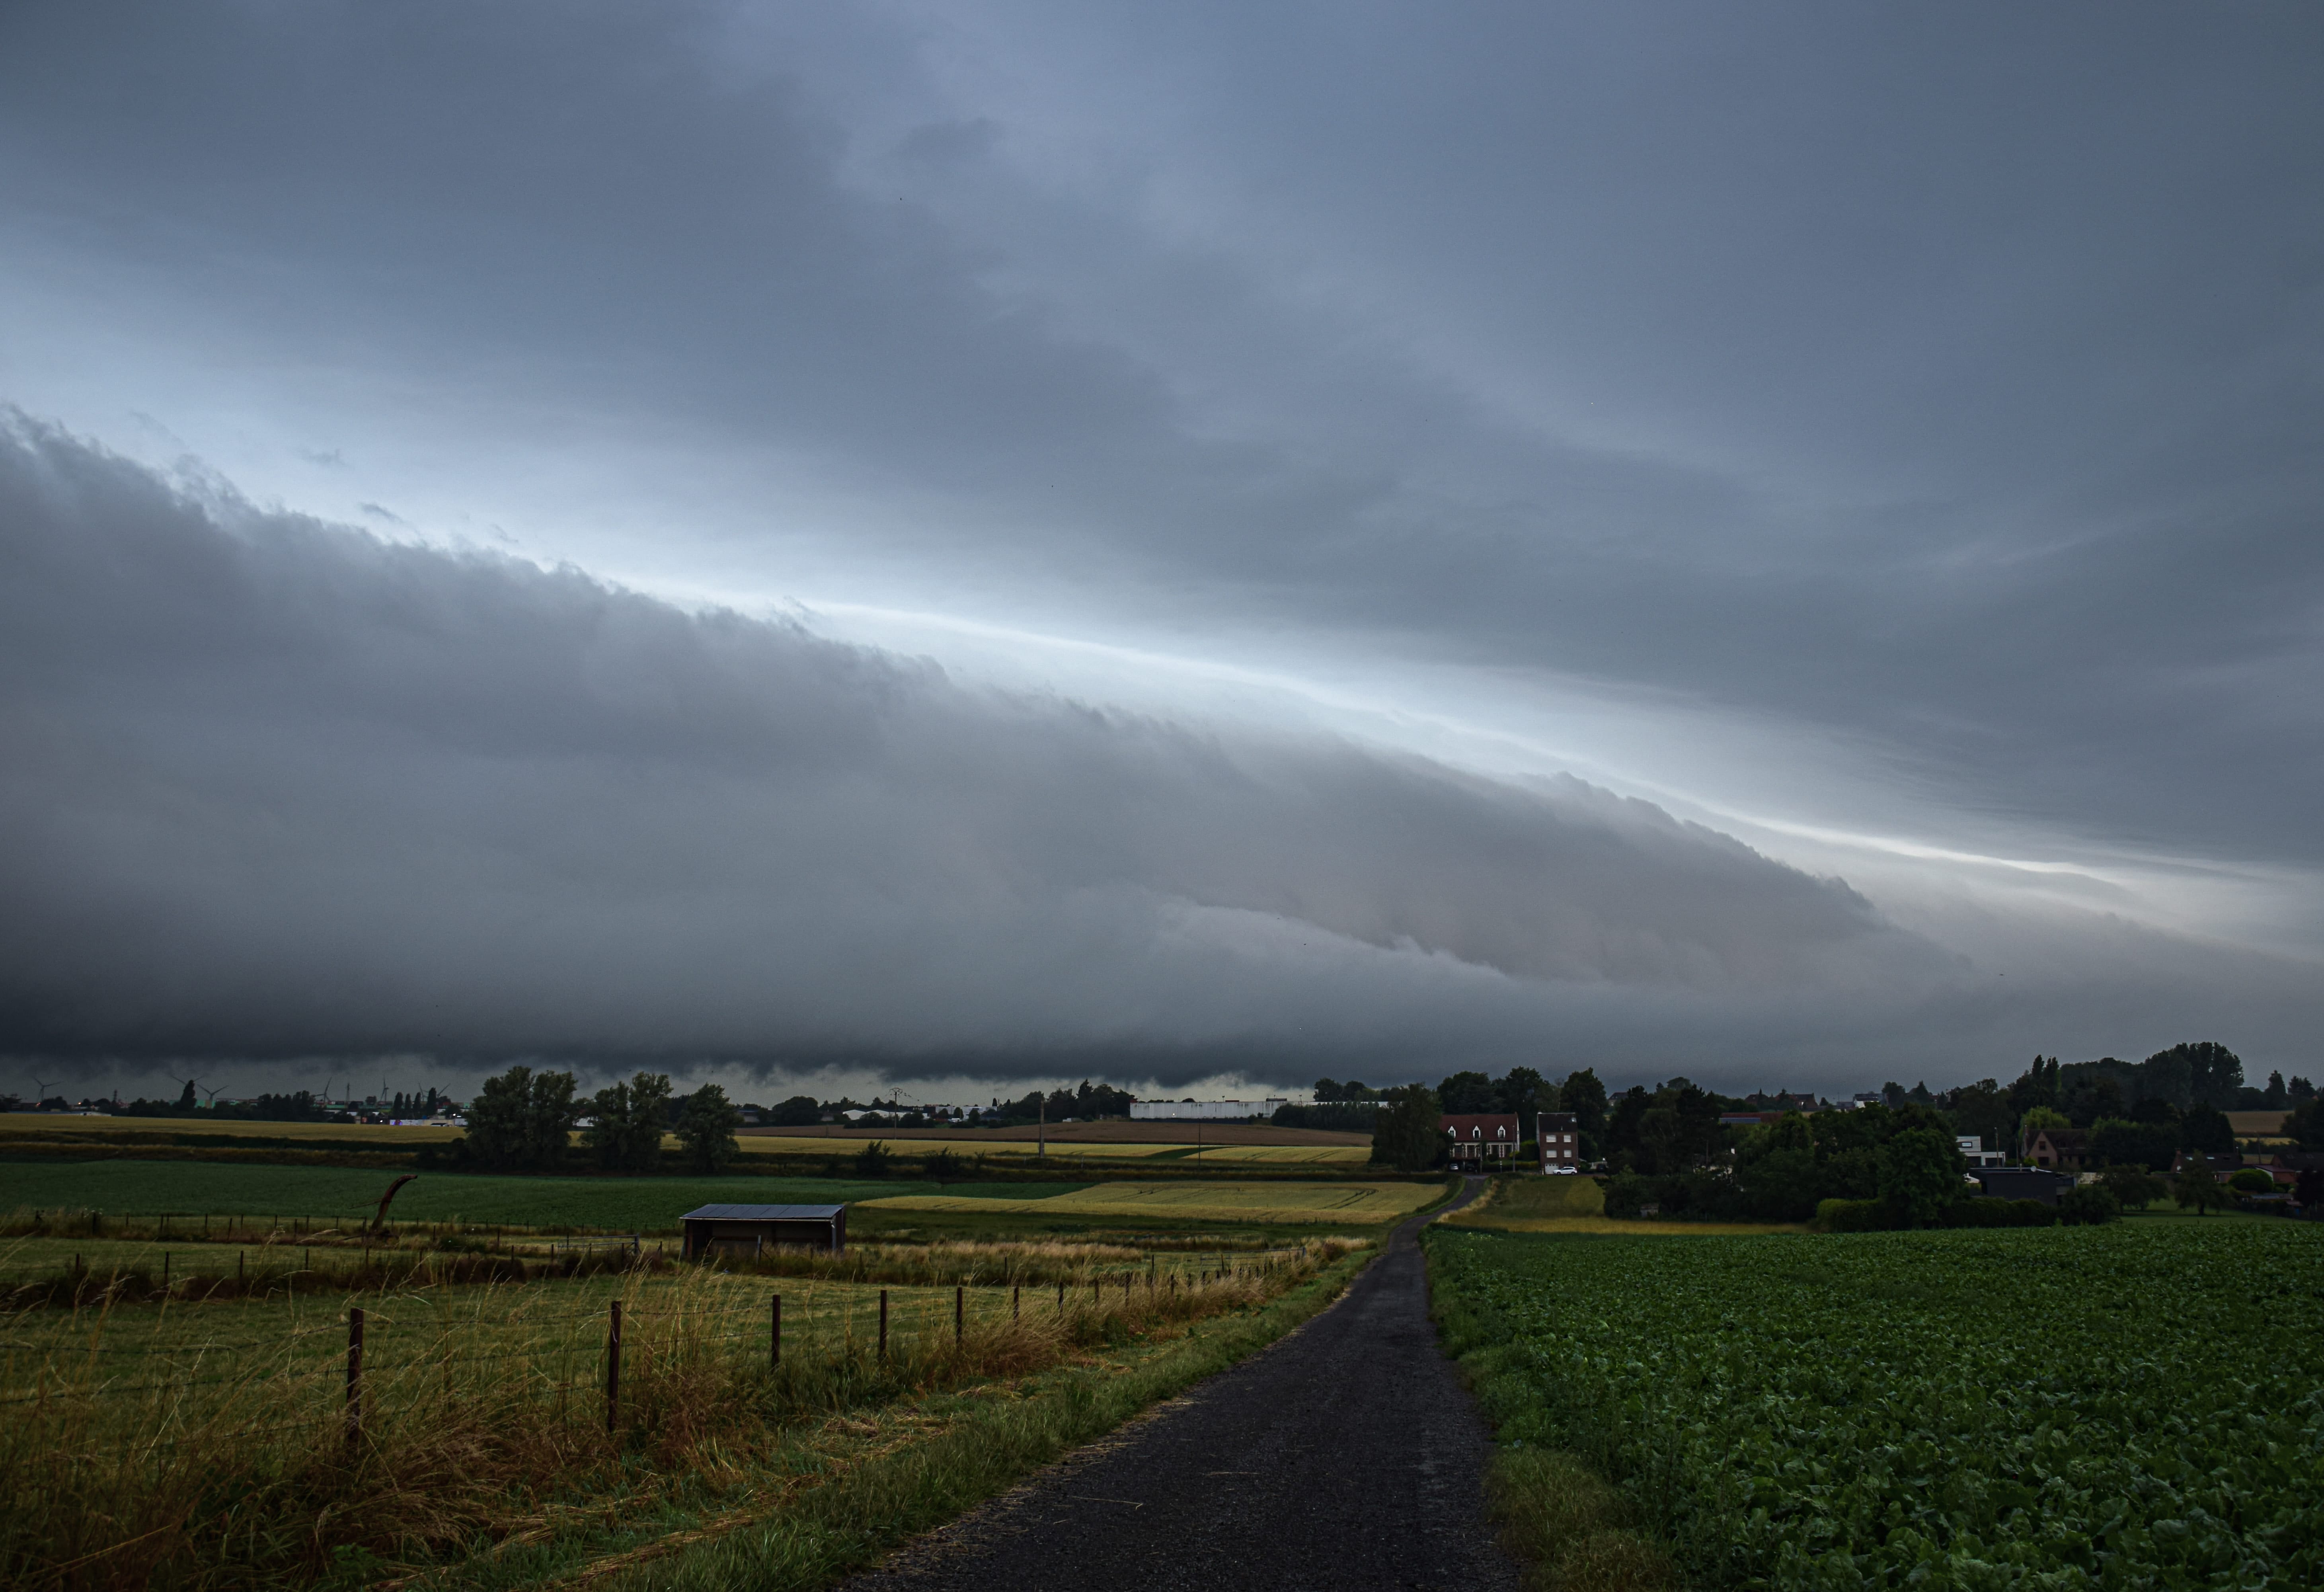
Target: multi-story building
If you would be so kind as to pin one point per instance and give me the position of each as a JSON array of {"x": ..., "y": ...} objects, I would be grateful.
[
  {"x": 1560, "y": 1143},
  {"x": 1482, "y": 1140}
]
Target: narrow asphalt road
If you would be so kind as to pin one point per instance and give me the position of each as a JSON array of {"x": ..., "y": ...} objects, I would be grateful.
[{"x": 1347, "y": 1457}]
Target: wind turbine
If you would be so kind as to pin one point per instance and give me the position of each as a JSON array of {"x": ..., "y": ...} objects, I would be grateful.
[{"x": 41, "y": 1085}]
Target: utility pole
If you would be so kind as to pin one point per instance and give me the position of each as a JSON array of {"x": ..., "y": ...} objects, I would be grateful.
[{"x": 1044, "y": 1151}]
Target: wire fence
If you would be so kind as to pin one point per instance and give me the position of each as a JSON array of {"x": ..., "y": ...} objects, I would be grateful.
[
  {"x": 151, "y": 1437},
  {"x": 110, "y": 1345}
]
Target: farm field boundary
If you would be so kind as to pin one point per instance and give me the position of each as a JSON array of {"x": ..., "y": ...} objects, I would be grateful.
[
  {"x": 1170, "y": 1133},
  {"x": 1369, "y": 1203},
  {"x": 2069, "y": 1407},
  {"x": 348, "y": 1195},
  {"x": 1575, "y": 1206}
]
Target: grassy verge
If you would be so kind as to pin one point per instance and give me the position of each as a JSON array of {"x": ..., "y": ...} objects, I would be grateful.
[
  {"x": 968, "y": 1448},
  {"x": 1572, "y": 1531}
]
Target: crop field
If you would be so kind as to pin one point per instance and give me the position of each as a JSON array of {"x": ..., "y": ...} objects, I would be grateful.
[
  {"x": 134, "y": 1188},
  {"x": 2128, "y": 1406},
  {"x": 1369, "y": 1203},
  {"x": 965, "y": 1147},
  {"x": 1073, "y": 1152}
]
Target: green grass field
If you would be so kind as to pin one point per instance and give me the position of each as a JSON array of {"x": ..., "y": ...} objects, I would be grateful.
[
  {"x": 653, "y": 1205},
  {"x": 1577, "y": 1206},
  {"x": 33, "y": 1124},
  {"x": 2125, "y": 1406}
]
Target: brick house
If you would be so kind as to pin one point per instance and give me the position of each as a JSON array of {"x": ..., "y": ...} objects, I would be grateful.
[
  {"x": 1561, "y": 1145},
  {"x": 1483, "y": 1139},
  {"x": 2058, "y": 1149}
]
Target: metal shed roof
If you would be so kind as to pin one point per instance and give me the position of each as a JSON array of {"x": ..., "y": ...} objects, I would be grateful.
[{"x": 763, "y": 1213}]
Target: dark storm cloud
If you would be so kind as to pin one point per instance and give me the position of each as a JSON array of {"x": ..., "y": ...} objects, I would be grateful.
[
  {"x": 1944, "y": 381},
  {"x": 1946, "y": 378},
  {"x": 278, "y": 788}
]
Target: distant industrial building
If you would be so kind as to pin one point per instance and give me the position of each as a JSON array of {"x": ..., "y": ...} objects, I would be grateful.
[{"x": 1203, "y": 1110}]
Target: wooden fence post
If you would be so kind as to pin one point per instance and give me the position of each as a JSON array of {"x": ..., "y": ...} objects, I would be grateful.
[
  {"x": 775, "y": 1357},
  {"x": 613, "y": 1367},
  {"x": 355, "y": 1376},
  {"x": 1016, "y": 1302},
  {"x": 884, "y": 1323}
]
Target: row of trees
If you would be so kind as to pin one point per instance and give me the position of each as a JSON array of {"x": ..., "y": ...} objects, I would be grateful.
[
  {"x": 1089, "y": 1103},
  {"x": 2195, "y": 1082},
  {"x": 1905, "y": 1159},
  {"x": 298, "y": 1106},
  {"x": 522, "y": 1121}
]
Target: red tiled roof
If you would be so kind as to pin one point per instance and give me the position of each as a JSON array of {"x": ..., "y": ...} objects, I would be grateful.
[{"x": 1499, "y": 1125}]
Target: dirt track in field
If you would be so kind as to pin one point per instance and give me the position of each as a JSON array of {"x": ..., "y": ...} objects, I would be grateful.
[{"x": 1347, "y": 1458}]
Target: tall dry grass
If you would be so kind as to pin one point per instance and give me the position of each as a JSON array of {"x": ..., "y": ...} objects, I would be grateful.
[
  {"x": 998, "y": 1261},
  {"x": 146, "y": 1444}
]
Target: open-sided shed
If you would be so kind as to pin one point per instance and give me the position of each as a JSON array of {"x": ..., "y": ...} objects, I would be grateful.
[{"x": 747, "y": 1229}]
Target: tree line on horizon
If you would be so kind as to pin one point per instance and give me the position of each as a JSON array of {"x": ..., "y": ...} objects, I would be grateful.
[{"x": 1666, "y": 1145}]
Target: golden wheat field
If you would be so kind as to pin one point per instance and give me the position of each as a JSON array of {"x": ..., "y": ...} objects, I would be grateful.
[{"x": 1369, "y": 1203}]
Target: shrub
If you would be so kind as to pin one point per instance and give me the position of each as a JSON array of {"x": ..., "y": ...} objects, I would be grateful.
[
  {"x": 2132, "y": 1185},
  {"x": 1851, "y": 1216},
  {"x": 2031, "y": 1213},
  {"x": 1984, "y": 1212},
  {"x": 2088, "y": 1206},
  {"x": 1627, "y": 1191}
]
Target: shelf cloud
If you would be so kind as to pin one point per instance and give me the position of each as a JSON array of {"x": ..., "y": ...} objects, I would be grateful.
[
  {"x": 278, "y": 788},
  {"x": 1786, "y": 542}
]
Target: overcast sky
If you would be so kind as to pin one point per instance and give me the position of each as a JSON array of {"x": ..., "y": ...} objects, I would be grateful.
[{"x": 1201, "y": 545}]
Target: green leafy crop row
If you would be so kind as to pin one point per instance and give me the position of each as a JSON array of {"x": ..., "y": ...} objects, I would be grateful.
[{"x": 2119, "y": 1407}]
